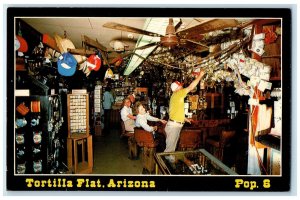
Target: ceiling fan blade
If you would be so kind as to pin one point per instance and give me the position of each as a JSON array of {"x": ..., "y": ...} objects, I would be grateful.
[
  {"x": 205, "y": 27},
  {"x": 147, "y": 46},
  {"x": 178, "y": 25},
  {"x": 122, "y": 27},
  {"x": 114, "y": 59},
  {"x": 137, "y": 48},
  {"x": 198, "y": 43},
  {"x": 157, "y": 62}
]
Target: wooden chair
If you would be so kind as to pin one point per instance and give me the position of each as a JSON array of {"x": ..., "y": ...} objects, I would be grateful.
[
  {"x": 190, "y": 139},
  {"x": 132, "y": 146},
  {"x": 217, "y": 144},
  {"x": 146, "y": 141}
]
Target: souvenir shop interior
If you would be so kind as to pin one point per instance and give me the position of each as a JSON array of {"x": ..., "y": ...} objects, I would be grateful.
[{"x": 75, "y": 75}]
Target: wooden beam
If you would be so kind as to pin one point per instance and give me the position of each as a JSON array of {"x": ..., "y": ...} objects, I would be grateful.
[
  {"x": 81, "y": 51},
  {"x": 259, "y": 22},
  {"x": 49, "y": 41},
  {"x": 258, "y": 30},
  {"x": 93, "y": 43},
  {"x": 96, "y": 44},
  {"x": 272, "y": 56},
  {"x": 264, "y": 22}
]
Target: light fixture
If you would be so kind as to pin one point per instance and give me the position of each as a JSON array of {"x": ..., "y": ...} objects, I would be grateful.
[
  {"x": 170, "y": 40},
  {"x": 130, "y": 36},
  {"x": 117, "y": 45},
  {"x": 156, "y": 25}
]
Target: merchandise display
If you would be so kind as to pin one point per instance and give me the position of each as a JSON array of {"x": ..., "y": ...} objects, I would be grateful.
[
  {"x": 78, "y": 115},
  {"x": 198, "y": 162},
  {"x": 39, "y": 139}
]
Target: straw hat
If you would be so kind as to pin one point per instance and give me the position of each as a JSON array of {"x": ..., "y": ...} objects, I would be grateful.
[{"x": 63, "y": 44}]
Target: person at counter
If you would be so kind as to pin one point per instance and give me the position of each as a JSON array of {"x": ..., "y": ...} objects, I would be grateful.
[
  {"x": 132, "y": 98},
  {"x": 141, "y": 121},
  {"x": 127, "y": 116},
  {"x": 142, "y": 118},
  {"x": 176, "y": 113},
  {"x": 108, "y": 100}
]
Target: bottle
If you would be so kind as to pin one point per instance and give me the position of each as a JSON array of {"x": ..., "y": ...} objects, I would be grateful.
[
  {"x": 154, "y": 106},
  {"x": 149, "y": 104},
  {"x": 186, "y": 106},
  {"x": 231, "y": 107}
]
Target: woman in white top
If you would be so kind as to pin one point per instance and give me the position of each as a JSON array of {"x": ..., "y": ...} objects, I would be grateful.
[
  {"x": 142, "y": 118},
  {"x": 127, "y": 116},
  {"x": 141, "y": 121}
]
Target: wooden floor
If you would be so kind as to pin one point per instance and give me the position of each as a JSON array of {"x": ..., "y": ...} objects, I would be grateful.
[{"x": 111, "y": 155}]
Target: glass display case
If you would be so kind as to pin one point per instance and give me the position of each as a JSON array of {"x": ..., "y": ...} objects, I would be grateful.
[{"x": 196, "y": 162}]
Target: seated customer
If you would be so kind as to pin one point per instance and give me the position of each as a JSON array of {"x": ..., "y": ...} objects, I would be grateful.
[
  {"x": 127, "y": 116},
  {"x": 141, "y": 121},
  {"x": 132, "y": 98}
]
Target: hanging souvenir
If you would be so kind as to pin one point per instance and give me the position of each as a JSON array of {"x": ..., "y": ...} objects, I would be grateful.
[
  {"x": 20, "y": 152},
  {"x": 21, "y": 123},
  {"x": 20, "y": 138},
  {"x": 37, "y": 137},
  {"x": 35, "y": 121},
  {"x": 21, "y": 168},
  {"x": 37, "y": 166},
  {"x": 22, "y": 109},
  {"x": 66, "y": 64}
]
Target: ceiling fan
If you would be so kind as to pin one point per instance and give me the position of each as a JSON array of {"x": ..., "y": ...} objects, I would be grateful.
[{"x": 188, "y": 38}]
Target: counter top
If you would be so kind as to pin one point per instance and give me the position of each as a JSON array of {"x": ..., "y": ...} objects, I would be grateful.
[{"x": 197, "y": 162}]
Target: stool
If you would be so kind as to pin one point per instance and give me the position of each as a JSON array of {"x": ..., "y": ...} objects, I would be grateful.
[
  {"x": 146, "y": 141},
  {"x": 86, "y": 165},
  {"x": 132, "y": 147},
  {"x": 217, "y": 144},
  {"x": 189, "y": 139}
]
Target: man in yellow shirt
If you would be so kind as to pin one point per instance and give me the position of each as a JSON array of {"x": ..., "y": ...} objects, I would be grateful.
[{"x": 176, "y": 113}]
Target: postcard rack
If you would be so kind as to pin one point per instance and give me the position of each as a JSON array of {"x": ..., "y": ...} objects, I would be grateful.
[{"x": 78, "y": 115}]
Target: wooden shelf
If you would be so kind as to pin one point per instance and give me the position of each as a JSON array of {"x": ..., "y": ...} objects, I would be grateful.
[{"x": 86, "y": 164}]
